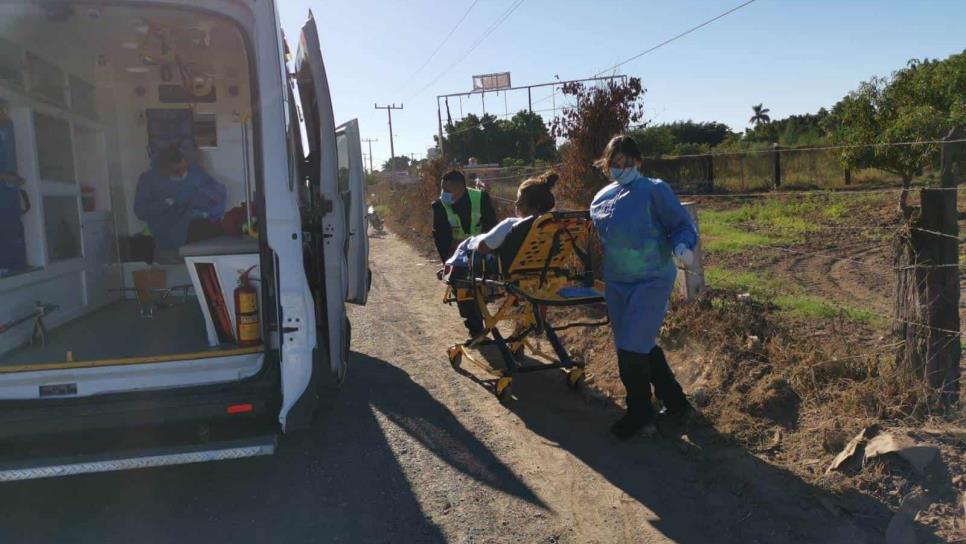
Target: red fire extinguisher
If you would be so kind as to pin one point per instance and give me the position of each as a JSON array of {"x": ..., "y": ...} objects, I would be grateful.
[{"x": 246, "y": 311}]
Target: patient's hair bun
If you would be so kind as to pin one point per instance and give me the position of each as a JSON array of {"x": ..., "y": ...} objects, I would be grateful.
[{"x": 550, "y": 179}]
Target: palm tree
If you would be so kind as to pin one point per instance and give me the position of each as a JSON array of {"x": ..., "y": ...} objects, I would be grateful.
[{"x": 760, "y": 116}]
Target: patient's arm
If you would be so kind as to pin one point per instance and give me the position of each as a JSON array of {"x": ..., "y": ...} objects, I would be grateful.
[{"x": 492, "y": 240}]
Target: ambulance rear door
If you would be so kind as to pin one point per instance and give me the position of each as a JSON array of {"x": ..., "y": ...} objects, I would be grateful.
[
  {"x": 352, "y": 184},
  {"x": 323, "y": 184}
]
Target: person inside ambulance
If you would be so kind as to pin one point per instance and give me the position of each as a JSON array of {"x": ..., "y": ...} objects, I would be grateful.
[
  {"x": 459, "y": 213},
  {"x": 180, "y": 203}
]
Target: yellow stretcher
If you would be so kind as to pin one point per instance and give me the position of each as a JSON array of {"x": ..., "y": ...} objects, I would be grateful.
[{"x": 552, "y": 268}]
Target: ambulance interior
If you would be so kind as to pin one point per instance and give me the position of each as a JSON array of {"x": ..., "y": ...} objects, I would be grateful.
[{"x": 94, "y": 98}]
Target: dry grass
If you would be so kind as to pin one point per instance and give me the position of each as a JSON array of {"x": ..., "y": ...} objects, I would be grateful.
[{"x": 795, "y": 394}]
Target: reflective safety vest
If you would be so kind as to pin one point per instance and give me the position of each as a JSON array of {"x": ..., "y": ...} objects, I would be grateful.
[{"x": 476, "y": 214}]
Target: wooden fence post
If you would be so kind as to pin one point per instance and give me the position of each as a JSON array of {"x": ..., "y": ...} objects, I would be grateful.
[
  {"x": 776, "y": 157},
  {"x": 691, "y": 281},
  {"x": 927, "y": 304},
  {"x": 848, "y": 176}
]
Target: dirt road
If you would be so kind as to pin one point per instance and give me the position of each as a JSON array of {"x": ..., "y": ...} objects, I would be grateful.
[
  {"x": 544, "y": 469},
  {"x": 411, "y": 451}
]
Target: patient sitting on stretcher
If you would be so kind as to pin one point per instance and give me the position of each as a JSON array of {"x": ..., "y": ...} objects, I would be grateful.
[{"x": 534, "y": 198}]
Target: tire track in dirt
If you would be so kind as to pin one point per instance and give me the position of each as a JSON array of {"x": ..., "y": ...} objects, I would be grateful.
[{"x": 856, "y": 275}]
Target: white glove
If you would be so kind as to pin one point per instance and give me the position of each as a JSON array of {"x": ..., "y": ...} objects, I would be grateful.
[
  {"x": 169, "y": 201},
  {"x": 683, "y": 256}
]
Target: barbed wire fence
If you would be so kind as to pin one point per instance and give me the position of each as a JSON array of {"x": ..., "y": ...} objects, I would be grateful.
[{"x": 920, "y": 257}]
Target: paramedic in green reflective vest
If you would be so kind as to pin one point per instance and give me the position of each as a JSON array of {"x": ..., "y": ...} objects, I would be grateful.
[{"x": 459, "y": 213}]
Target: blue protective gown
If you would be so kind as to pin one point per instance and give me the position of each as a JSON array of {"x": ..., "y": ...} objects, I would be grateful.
[
  {"x": 196, "y": 196},
  {"x": 639, "y": 224}
]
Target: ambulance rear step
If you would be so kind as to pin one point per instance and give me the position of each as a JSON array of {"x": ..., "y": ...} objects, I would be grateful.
[{"x": 143, "y": 458}]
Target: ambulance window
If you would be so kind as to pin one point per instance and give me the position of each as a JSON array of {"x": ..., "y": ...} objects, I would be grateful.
[
  {"x": 55, "y": 152},
  {"x": 46, "y": 80},
  {"x": 342, "y": 142}
]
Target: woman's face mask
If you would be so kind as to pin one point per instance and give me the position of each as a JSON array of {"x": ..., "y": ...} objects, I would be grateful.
[{"x": 624, "y": 175}]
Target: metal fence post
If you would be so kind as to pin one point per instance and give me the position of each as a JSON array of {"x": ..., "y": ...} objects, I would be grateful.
[{"x": 691, "y": 282}]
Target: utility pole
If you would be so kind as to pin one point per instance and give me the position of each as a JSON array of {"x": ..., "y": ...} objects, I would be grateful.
[
  {"x": 392, "y": 148},
  {"x": 369, "y": 141}
]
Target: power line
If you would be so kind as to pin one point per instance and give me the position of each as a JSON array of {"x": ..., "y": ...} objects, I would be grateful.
[
  {"x": 681, "y": 35},
  {"x": 446, "y": 39},
  {"x": 486, "y": 33},
  {"x": 658, "y": 46}
]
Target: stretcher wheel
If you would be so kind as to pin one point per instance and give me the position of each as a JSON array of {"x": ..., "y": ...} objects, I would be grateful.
[
  {"x": 504, "y": 390},
  {"x": 455, "y": 355},
  {"x": 575, "y": 378}
]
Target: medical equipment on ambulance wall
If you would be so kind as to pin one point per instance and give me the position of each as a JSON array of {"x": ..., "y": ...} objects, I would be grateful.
[
  {"x": 39, "y": 334},
  {"x": 193, "y": 80}
]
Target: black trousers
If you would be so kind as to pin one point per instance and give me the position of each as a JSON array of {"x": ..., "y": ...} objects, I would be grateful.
[
  {"x": 638, "y": 372},
  {"x": 472, "y": 318}
]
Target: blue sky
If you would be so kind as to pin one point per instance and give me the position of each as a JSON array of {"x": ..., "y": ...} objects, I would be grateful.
[{"x": 795, "y": 56}]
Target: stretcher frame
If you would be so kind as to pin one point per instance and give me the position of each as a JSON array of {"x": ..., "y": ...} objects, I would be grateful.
[{"x": 554, "y": 255}]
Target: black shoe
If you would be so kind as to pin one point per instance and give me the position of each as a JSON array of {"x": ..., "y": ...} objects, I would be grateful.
[
  {"x": 475, "y": 337},
  {"x": 674, "y": 424},
  {"x": 627, "y": 426}
]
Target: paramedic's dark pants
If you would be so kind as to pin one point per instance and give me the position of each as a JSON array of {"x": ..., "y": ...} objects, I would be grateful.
[
  {"x": 638, "y": 371},
  {"x": 472, "y": 318}
]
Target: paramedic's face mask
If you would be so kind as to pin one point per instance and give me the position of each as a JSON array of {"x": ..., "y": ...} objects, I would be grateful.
[
  {"x": 623, "y": 169},
  {"x": 454, "y": 189},
  {"x": 178, "y": 171}
]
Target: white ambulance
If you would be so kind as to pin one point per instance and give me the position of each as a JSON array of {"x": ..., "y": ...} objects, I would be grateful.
[{"x": 186, "y": 225}]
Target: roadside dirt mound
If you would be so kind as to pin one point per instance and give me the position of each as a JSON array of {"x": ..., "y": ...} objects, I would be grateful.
[{"x": 781, "y": 389}]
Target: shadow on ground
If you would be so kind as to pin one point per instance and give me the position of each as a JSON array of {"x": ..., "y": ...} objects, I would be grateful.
[
  {"x": 337, "y": 481},
  {"x": 701, "y": 487}
]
